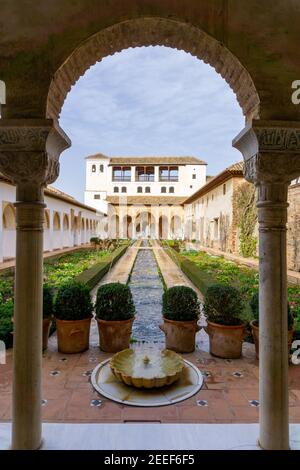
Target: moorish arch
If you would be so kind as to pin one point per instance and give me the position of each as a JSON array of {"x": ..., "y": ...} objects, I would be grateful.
[
  {"x": 153, "y": 32},
  {"x": 56, "y": 221},
  {"x": 9, "y": 217}
]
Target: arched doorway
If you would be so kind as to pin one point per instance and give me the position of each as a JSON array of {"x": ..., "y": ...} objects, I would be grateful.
[
  {"x": 127, "y": 224},
  {"x": 57, "y": 242},
  {"x": 176, "y": 227},
  {"x": 47, "y": 234},
  {"x": 163, "y": 227},
  {"x": 66, "y": 233},
  {"x": 9, "y": 231}
]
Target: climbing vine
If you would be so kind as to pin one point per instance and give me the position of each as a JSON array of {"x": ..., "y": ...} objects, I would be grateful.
[{"x": 246, "y": 218}]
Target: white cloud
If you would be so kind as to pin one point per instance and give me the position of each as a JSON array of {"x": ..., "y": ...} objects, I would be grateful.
[{"x": 149, "y": 101}]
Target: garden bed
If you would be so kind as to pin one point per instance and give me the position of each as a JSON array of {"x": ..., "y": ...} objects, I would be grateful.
[
  {"x": 87, "y": 266},
  {"x": 204, "y": 269}
]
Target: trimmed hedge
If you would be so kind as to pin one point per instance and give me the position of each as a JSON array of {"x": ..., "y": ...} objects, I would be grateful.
[
  {"x": 114, "y": 302},
  {"x": 198, "y": 277},
  {"x": 92, "y": 276},
  {"x": 180, "y": 303}
]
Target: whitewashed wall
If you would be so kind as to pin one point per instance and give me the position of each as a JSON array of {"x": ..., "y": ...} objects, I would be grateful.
[{"x": 56, "y": 236}]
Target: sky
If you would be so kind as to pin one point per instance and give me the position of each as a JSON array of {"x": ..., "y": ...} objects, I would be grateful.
[{"x": 149, "y": 101}]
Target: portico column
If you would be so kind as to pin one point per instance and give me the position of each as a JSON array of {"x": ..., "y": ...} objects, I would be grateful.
[
  {"x": 271, "y": 152},
  {"x": 29, "y": 152}
]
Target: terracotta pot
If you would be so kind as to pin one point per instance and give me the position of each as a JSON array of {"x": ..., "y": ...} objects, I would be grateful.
[
  {"x": 114, "y": 335},
  {"x": 46, "y": 327},
  {"x": 73, "y": 335},
  {"x": 225, "y": 341},
  {"x": 255, "y": 334},
  {"x": 180, "y": 335}
]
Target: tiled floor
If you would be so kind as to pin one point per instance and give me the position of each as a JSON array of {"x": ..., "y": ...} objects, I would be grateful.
[{"x": 229, "y": 394}]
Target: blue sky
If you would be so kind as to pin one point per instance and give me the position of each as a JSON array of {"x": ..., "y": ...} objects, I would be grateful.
[{"x": 149, "y": 101}]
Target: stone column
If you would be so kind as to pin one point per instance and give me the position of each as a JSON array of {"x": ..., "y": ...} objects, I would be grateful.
[
  {"x": 29, "y": 152},
  {"x": 271, "y": 152}
]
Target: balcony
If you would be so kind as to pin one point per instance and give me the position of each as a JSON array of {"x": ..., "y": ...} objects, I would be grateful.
[
  {"x": 145, "y": 178},
  {"x": 121, "y": 178},
  {"x": 168, "y": 178}
]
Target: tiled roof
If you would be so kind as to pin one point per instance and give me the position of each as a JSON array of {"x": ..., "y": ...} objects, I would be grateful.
[
  {"x": 156, "y": 161},
  {"x": 146, "y": 200},
  {"x": 97, "y": 155},
  {"x": 233, "y": 170}
]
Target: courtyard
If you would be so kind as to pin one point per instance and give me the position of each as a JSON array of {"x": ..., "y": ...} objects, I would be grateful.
[
  {"x": 230, "y": 391},
  {"x": 185, "y": 118}
]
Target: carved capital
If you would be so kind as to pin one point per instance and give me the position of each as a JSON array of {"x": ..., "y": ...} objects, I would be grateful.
[
  {"x": 30, "y": 150},
  {"x": 271, "y": 150}
]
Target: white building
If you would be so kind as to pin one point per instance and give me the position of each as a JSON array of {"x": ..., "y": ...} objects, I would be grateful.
[
  {"x": 68, "y": 222},
  {"x": 136, "y": 177}
]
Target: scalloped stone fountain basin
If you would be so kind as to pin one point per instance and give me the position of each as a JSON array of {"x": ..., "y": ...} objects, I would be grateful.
[{"x": 147, "y": 369}]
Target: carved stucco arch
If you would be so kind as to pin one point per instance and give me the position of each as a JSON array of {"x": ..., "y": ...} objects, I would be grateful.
[{"x": 153, "y": 32}]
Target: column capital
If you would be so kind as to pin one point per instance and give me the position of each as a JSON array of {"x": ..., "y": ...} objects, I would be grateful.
[
  {"x": 30, "y": 150},
  {"x": 271, "y": 151}
]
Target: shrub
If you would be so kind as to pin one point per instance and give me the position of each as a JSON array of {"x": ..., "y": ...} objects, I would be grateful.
[
  {"x": 47, "y": 301},
  {"x": 95, "y": 240},
  {"x": 224, "y": 305},
  {"x": 114, "y": 302},
  {"x": 73, "y": 302},
  {"x": 6, "y": 325},
  {"x": 254, "y": 304},
  {"x": 180, "y": 303}
]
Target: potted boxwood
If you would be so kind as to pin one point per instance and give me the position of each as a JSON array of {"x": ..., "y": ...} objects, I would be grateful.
[
  {"x": 114, "y": 314},
  {"x": 181, "y": 309},
  {"x": 47, "y": 313},
  {"x": 73, "y": 313},
  {"x": 254, "y": 304},
  {"x": 6, "y": 322},
  {"x": 223, "y": 307}
]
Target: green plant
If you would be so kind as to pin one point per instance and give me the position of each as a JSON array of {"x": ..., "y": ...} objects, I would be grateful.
[
  {"x": 244, "y": 200},
  {"x": 6, "y": 325},
  {"x": 95, "y": 240},
  {"x": 48, "y": 305},
  {"x": 180, "y": 303},
  {"x": 254, "y": 304},
  {"x": 114, "y": 302},
  {"x": 73, "y": 302},
  {"x": 224, "y": 305}
]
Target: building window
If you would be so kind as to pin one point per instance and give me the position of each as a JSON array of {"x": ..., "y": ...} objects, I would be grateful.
[
  {"x": 96, "y": 196},
  {"x": 168, "y": 173},
  {"x": 224, "y": 189},
  {"x": 171, "y": 189},
  {"x": 144, "y": 173},
  {"x": 216, "y": 228},
  {"x": 147, "y": 189},
  {"x": 163, "y": 189},
  {"x": 116, "y": 189},
  {"x": 194, "y": 177},
  {"x": 121, "y": 173},
  {"x": 139, "y": 189},
  {"x": 191, "y": 186},
  {"x": 93, "y": 168},
  {"x": 101, "y": 168},
  {"x": 124, "y": 189}
]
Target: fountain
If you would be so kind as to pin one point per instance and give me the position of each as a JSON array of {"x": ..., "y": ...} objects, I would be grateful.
[
  {"x": 147, "y": 376},
  {"x": 147, "y": 369}
]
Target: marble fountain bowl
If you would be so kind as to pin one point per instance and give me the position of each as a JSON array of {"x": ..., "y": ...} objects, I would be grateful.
[{"x": 142, "y": 369}]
